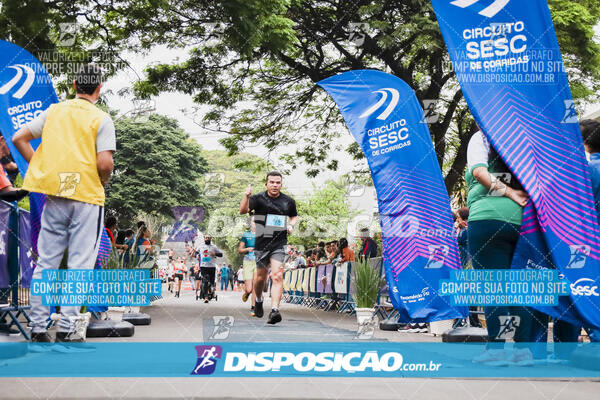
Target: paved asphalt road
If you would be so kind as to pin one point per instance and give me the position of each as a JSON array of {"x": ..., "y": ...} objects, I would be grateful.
[{"x": 186, "y": 320}]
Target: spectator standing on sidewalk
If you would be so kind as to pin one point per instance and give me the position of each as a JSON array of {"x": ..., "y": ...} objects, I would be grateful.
[{"x": 71, "y": 166}]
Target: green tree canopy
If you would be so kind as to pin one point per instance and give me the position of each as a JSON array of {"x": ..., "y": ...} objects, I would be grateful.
[
  {"x": 227, "y": 177},
  {"x": 157, "y": 166},
  {"x": 256, "y": 62},
  {"x": 324, "y": 215}
]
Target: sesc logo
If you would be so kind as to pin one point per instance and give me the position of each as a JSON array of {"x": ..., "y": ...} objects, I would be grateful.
[
  {"x": 388, "y": 110},
  {"x": 584, "y": 287},
  {"x": 489, "y": 11},
  {"x": 207, "y": 359},
  {"x": 25, "y": 86}
]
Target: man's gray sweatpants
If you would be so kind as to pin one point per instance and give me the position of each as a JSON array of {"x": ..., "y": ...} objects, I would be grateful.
[{"x": 72, "y": 225}]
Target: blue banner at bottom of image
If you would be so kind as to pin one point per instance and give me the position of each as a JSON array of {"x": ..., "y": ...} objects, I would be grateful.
[{"x": 426, "y": 360}]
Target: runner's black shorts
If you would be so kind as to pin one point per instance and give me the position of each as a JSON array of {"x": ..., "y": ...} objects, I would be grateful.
[
  {"x": 264, "y": 257},
  {"x": 209, "y": 273},
  {"x": 180, "y": 276}
]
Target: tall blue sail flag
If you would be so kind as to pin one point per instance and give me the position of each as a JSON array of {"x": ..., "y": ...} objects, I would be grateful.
[
  {"x": 508, "y": 63},
  {"x": 25, "y": 91},
  {"x": 419, "y": 248}
]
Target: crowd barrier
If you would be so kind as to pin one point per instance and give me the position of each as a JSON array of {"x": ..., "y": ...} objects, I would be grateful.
[
  {"x": 17, "y": 261},
  {"x": 329, "y": 287},
  {"x": 16, "y": 266}
]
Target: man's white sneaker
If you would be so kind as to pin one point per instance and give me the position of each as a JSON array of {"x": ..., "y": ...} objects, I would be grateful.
[
  {"x": 520, "y": 358},
  {"x": 493, "y": 358}
]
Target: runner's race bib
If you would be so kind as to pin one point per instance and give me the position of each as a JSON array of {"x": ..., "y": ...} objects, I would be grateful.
[{"x": 276, "y": 221}]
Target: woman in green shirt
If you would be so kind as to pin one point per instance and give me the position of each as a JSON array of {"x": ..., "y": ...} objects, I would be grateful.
[{"x": 496, "y": 201}]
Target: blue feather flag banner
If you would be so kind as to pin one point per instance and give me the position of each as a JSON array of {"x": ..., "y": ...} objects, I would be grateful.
[
  {"x": 509, "y": 66},
  {"x": 419, "y": 246}
]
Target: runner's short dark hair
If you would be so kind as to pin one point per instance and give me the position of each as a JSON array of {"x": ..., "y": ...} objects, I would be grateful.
[
  {"x": 110, "y": 222},
  {"x": 590, "y": 131},
  {"x": 88, "y": 78},
  {"x": 463, "y": 213},
  {"x": 273, "y": 173}
]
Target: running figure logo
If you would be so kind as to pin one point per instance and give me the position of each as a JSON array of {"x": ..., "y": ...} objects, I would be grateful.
[
  {"x": 437, "y": 255},
  {"x": 579, "y": 253},
  {"x": 222, "y": 327},
  {"x": 68, "y": 183},
  {"x": 207, "y": 359},
  {"x": 430, "y": 116},
  {"x": 3, "y": 243},
  {"x": 508, "y": 326},
  {"x": 570, "y": 116}
]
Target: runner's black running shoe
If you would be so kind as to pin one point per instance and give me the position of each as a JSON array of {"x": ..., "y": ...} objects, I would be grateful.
[
  {"x": 274, "y": 317},
  {"x": 258, "y": 309},
  {"x": 41, "y": 337}
]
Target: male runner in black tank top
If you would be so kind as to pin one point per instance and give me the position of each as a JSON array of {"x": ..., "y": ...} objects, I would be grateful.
[{"x": 271, "y": 210}]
